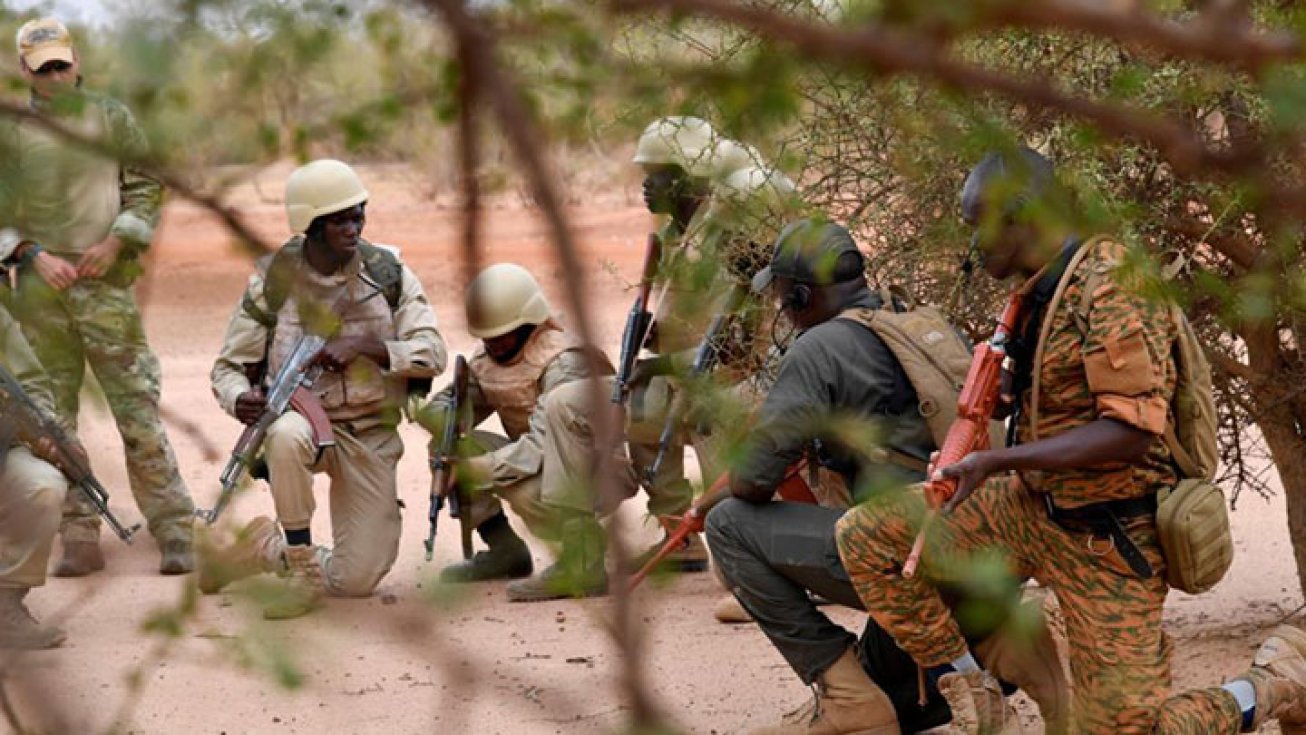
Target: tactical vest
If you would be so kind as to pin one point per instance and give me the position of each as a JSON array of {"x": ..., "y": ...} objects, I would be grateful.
[
  {"x": 513, "y": 390},
  {"x": 296, "y": 295}
]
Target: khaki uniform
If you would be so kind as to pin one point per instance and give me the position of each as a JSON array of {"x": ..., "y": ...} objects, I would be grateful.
[
  {"x": 722, "y": 245},
  {"x": 363, "y": 403},
  {"x": 69, "y": 200},
  {"x": 31, "y": 490},
  {"x": 519, "y": 393},
  {"x": 1116, "y": 366}
]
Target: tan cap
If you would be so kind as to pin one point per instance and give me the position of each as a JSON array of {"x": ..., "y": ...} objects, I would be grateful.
[{"x": 44, "y": 40}]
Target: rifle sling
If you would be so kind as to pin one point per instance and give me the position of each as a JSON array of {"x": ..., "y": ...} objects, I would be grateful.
[{"x": 1106, "y": 520}]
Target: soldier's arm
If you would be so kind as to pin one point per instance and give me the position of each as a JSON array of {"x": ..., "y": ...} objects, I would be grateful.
[
  {"x": 431, "y": 416},
  {"x": 418, "y": 350},
  {"x": 524, "y": 457},
  {"x": 140, "y": 194},
  {"x": 245, "y": 343}
]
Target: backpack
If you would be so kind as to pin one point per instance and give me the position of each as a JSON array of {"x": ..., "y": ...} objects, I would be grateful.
[
  {"x": 1192, "y": 519},
  {"x": 932, "y": 353}
]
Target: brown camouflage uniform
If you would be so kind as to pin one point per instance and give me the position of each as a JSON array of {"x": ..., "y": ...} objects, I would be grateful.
[{"x": 1117, "y": 366}]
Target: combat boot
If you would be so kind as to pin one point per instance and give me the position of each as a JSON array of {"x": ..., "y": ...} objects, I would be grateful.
[
  {"x": 730, "y": 612},
  {"x": 845, "y": 700},
  {"x": 578, "y": 572},
  {"x": 690, "y": 556},
  {"x": 258, "y": 548},
  {"x": 18, "y": 629},
  {"x": 80, "y": 558},
  {"x": 507, "y": 558},
  {"x": 1278, "y": 675},
  {"x": 977, "y": 704},
  {"x": 176, "y": 557},
  {"x": 304, "y": 589}
]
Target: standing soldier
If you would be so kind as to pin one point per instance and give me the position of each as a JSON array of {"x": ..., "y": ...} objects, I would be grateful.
[
  {"x": 31, "y": 494},
  {"x": 524, "y": 355},
  {"x": 1073, "y": 501},
  {"x": 717, "y": 198},
  {"x": 85, "y": 220},
  {"x": 327, "y": 280}
]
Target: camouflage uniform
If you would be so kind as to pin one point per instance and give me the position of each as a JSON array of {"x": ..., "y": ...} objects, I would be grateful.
[
  {"x": 31, "y": 489},
  {"x": 69, "y": 200},
  {"x": 520, "y": 393},
  {"x": 1116, "y": 366}
]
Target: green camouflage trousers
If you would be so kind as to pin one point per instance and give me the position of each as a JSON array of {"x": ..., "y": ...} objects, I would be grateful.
[
  {"x": 1119, "y": 655},
  {"x": 98, "y": 324}
]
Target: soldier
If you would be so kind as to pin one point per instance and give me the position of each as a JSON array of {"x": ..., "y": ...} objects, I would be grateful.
[
  {"x": 31, "y": 494},
  {"x": 382, "y": 334},
  {"x": 85, "y": 220},
  {"x": 524, "y": 355},
  {"x": 839, "y": 382},
  {"x": 1106, "y": 385},
  {"x": 716, "y": 197}
]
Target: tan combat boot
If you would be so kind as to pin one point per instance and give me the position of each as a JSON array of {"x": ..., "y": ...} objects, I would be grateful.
[
  {"x": 729, "y": 611},
  {"x": 176, "y": 557},
  {"x": 845, "y": 701},
  {"x": 80, "y": 558},
  {"x": 258, "y": 548},
  {"x": 579, "y": 571},
  {"x": 304, "y": 589},
  {"x": 18, "y": 629},
  {"x": 977, "y": 704},
  {"x": 1278, "y": 675}
]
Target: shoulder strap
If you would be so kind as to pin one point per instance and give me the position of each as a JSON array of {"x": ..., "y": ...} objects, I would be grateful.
[
  {"x": 1081, "y": 312},
  {"x": 384, "y": 269}
]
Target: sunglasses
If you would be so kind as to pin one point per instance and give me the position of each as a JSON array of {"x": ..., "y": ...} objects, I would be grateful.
[{"x": 53, "y": 67}]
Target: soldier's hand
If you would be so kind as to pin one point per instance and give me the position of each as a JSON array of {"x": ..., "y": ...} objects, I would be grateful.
[
  {"x": 55, "y": 271},
  {"x": 250, "y": 405},
  {"x": 100, "y": 257},
  {"x": 969, "y": 473},
  {"x": 339, "y": 352}
]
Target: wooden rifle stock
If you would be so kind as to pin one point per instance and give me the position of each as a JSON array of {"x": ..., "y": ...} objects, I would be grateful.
[
  {"x": 443, "y": 483},
  {"x": 970, "y": 431}
]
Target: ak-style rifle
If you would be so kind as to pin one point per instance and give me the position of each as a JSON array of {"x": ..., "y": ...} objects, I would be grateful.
[
  {"x": 31, "y": 425},
  {"x": 638, "y": 322},
  {"x": 444, "y": 484}
]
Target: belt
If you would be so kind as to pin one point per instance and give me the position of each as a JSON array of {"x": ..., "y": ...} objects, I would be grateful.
[{"x": 1105, "y": 520}]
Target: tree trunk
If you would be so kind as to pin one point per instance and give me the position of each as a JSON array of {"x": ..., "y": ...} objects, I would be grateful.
[{"x": 1283, "y": 433}]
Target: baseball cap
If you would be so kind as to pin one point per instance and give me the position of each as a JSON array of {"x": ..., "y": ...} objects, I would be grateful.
[
  {"x": 44, "y": 40},
  {"x": 807, "y": 250}
]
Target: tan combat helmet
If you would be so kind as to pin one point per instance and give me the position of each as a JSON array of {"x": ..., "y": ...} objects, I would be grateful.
[
  {"x": 502, "y": 298},
  {"x": 318, "y": 188},
  {"x": 687, "y": 142}
]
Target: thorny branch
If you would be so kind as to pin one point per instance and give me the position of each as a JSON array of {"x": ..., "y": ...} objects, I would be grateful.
[{"x": 477, "y": 49}]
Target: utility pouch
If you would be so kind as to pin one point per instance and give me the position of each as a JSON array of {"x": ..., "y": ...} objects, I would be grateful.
[{"x": 1192, "y": 524}]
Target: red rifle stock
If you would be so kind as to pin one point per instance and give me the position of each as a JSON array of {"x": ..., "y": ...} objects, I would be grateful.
[
  {"x": 792, "y": 488},
  {"x": 970, "y": 431}
]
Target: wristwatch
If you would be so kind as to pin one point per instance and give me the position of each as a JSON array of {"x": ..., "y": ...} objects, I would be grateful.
[{"x": 30, "y": 251}]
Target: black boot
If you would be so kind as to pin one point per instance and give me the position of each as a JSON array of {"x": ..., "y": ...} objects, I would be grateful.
[{"x": 507, "y": 557}]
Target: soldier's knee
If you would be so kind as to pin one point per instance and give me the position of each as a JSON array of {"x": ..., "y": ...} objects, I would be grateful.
[
  {"x": 48, "y": 495},
  {"x": 568, "y": 405},
  {"x": 854, "y": 528},
  {"x": 289, "y": 438},
  {"x": 724, "y": 519},
  {"x": 350, "y": 581}
]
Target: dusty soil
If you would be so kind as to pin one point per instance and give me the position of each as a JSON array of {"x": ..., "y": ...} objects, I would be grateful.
[{"x": 402, "y": 661}]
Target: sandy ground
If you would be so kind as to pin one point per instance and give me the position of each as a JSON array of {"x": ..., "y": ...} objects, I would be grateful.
[{"x": 400, "y": 662}]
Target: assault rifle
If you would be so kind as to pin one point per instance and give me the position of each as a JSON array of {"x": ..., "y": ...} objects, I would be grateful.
[
  {"x": 638, "y": 322},
  {"x": 970, "y": 430},
  {"x": 705, "y": 360},
  {"x": 792, "y": 488},
  {"x": 32, "y": 425},
  {"x": 289, "y": 389},
  {"x": 443, "y": 483}
]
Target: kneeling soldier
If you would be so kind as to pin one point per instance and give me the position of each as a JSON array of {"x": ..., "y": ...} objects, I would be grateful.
[
  {"x": 381, "y": 333},
  {"x": 525, "y": 354}
]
